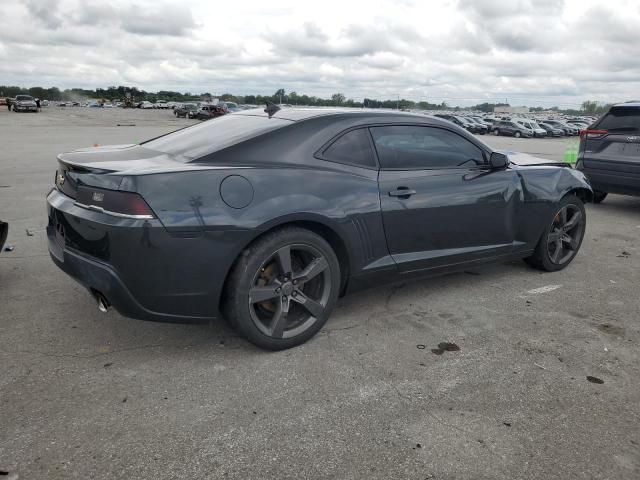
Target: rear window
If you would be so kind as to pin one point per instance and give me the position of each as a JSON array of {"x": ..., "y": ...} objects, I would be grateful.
[
  {"x": 624, "y": 119},
  {"x": 353, "y": 147},
  {"x": 213, "y": 135}
]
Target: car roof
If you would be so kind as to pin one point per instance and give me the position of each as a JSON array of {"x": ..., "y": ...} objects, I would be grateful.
[
  {"x": 628, "y": 104},
  {"x": 297, "y": 114}
]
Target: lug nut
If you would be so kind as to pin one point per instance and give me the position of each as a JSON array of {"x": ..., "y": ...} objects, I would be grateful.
[
  {"x": 278, "y": 290},
  {"x": 294, "y": 294}
]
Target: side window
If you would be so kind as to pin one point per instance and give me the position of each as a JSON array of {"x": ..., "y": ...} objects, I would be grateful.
[
  {"x": 353, "y": 147},
  {"x": 408, "y": 147}
]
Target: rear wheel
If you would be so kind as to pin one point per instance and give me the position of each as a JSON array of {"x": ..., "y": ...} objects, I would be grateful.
[
  {"x": 599, "y": 196},
  {"x": 283, "y": 288},
  {"x": 517, "y": 134},
  {"x": 562, "y": 238}
]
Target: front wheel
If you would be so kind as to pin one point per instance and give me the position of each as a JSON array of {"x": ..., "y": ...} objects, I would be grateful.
[
  {"x": 517, "y": 134},
  {"x": 283, "y": 288},
  {"x": 562, "y": 238}
]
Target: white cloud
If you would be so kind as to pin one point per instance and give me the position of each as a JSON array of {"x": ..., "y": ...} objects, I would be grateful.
[{"x": 531, "y": 51}]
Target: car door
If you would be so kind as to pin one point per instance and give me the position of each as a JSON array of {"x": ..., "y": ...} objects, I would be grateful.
[{"x": 441, "y": 203}]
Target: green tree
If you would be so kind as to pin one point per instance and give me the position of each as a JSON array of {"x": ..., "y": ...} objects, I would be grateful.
[{"x": 337, "y": 98}]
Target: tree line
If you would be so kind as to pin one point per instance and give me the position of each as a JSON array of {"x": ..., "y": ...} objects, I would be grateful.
[{"x": 120, "y": 93}]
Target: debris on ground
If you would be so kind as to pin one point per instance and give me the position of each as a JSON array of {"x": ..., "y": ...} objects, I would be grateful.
[
  {"x": 597, "y": 380},
  {"x": 445, "y": 347},
  {"x": 624, "y": 254},
  {"x": 9, "y": 248}
]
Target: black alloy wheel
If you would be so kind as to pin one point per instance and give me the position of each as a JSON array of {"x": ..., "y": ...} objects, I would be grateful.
[
  {"x": 290, "y": 291},
  {"x": 283, "y": 288},
  {"x": 565, "y": 235},
  {"x": 562, "y": 238}
]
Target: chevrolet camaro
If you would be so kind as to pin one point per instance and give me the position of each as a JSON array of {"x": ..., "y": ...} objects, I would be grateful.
[{"x": 265, "y": 217}]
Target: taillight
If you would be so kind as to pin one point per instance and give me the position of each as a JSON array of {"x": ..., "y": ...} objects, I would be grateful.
[
  {"x": 592, "y": 134},
  {"x": 113, "y": 202}
]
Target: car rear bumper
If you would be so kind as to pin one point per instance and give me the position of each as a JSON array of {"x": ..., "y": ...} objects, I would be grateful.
[
  {"x": 611, "y": 181},
  {"x": 143, "y": 271}
]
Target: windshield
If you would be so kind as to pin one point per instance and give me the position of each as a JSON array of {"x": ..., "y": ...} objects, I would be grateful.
[
  {"x": 23, "y": 98},
  {"x": 214, "y": 135}
]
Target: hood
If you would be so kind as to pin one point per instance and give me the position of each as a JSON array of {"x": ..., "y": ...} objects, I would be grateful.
[
  {"x": 525, "y": 160},
  {"x": 26, "y": 102}
]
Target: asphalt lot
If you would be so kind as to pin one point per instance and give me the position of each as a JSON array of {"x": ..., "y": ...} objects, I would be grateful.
[{"x": 86, "y": 395}]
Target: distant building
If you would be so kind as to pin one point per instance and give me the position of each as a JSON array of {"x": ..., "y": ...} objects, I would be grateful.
[{"x": 510, "y": 109}]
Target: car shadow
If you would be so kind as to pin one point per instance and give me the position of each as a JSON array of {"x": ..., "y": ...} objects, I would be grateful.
[{"x": 618, "y": 204}]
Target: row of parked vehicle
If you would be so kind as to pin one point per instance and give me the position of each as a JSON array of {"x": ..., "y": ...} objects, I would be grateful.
[
  {"x": 521, "y": 126},
  {"x": 205, "y": 111}
]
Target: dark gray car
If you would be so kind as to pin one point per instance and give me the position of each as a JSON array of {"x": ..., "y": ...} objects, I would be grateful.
[
  {"x": 512, "y": 129},
  {"x": 267, "y": 217},
  {"x": 609, "y": 152}
]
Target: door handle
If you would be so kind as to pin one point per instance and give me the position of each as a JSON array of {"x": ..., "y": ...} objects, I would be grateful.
[{"x": 402, "y": 192}]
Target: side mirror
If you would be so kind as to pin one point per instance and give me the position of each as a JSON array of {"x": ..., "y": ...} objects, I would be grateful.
[{"x": 498, "y": 161}]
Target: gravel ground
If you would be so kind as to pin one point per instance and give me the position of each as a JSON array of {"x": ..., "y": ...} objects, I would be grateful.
[{"x": 85, "y": 395}]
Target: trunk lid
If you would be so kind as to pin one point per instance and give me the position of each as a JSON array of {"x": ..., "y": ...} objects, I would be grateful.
[{"x": 105, "y": 167}]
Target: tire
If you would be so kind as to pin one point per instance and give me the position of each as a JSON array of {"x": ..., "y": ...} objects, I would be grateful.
[
  {"x": 283, "y": 317},
  {"x": 557, "y": 234},
  {"x": 517, "y": 134},
  {"x": 599, "y": 196},
  {"x": 496, "y": 133}
]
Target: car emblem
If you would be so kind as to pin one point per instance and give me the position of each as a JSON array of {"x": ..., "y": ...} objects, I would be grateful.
[
  {"x": 633, "y": 138},
  {"x": 61, "y": 178}
]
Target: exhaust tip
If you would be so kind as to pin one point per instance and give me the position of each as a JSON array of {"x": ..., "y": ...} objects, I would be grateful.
[{"x": 103, "y": 304}]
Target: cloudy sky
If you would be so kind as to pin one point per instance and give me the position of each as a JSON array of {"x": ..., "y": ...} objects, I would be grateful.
[{"x": 534, "y": 52}]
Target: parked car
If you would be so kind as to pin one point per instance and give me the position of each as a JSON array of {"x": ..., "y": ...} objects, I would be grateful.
[
  {"x": 3, "y": 101},
  {"x": 568, "y": 129},
  {"x": 609, "y": 152},
  {"x": 232, "y": 107},
  {"x": 510, "y": 128},
  {"x": 185, "y": 110},
  {"x": 536, "y": 130},
  {"x": 146, "y": 105},
  {"x": 551, "y": 131},
  {"x": 161, "y": 104},
  {"x": 24, "y": 103},
  {"x": 205, "y": 112},
  {"x": 267, "y": 217},
  {"x": 464, "y": 123}
]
